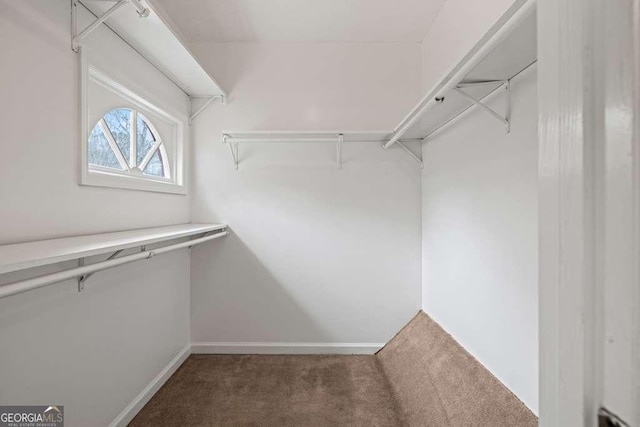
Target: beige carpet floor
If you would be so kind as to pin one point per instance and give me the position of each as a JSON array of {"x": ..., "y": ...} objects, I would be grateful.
[
  {"x": 437, "y": 383},
  {"x": 421, "y": 378},
  {"x": 211, "y": 390}
]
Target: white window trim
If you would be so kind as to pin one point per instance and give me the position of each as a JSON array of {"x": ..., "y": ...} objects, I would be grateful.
[{"x": 112, "y": 178}]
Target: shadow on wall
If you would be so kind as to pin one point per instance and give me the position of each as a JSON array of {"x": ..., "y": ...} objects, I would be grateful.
[
  {"x": 316, "y": 254},
  {"x": 255, "y": 299}
]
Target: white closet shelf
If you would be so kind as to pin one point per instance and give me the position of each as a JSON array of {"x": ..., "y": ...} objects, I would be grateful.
[
  {"x": 338, "y": 137},
  {"x": 21, "y": 256},
  {"x": 295, "y": 135},
  {"x": 154, "y": 36},
  {"x": 508, "y": 48}
]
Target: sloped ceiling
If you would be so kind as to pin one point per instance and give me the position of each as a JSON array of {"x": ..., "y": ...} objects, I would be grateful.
[{"x": 404, "y": 21}]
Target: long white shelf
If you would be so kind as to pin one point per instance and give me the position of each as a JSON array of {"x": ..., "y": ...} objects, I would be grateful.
[
  {"x": 156, "y": 39},
  {"x": 508, "y": 48},
  {"x": 258, "y": 136},
  {"x": 338, "y": 137},
  {"x": 512, "y": 55},
  {"x": 21, "y": 256}
]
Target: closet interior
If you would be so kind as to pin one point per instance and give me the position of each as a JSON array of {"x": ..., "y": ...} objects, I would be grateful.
[{"x": 234, "y": 213}]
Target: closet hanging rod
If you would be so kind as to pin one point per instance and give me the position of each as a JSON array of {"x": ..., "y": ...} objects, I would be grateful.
[
  {"x": 516, "y": 14},
  {"x": 49, "y": 279}
]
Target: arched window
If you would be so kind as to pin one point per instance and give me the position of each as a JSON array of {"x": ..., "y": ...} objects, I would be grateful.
[{"x": 125, "y": 141}]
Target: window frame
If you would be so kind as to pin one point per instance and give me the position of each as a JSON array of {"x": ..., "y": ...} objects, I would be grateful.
[
  {"x": 128, "y": 164},
  {"x": 95, "y": 175}
]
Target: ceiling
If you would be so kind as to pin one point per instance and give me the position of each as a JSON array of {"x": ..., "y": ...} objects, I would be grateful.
[{"x": 318, "y": 21}]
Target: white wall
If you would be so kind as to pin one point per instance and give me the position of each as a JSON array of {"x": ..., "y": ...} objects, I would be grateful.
[
  {"x": 91, "y": 352},
  {"x": 479, "y": 208},
  {"x": 39, "y": 81},
  {"x": 316, "y": 255},
  {"x": 94, "y": 351}
]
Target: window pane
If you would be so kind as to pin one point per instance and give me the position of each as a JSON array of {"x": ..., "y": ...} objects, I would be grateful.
[
  {"x": 154, "y": 167},
  {"x": 119, "y": 123},
  {"x": 146, "y": 140},
  {"x": 100, "y": 152}
]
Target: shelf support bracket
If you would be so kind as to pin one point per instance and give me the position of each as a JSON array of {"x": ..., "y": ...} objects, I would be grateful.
[
  {"x": 503, "y": 120},
  {"x": 76, "y": 37},
  {"x": 339, "y": 142},
  {"x": 208, "y": 102},
  {"x": 233, "y": 149},
  {"x": 82, "y": 279},
  {"x": 410, "y": 153},
  {"x": 507, "y": 87},
  {"x": 236, "y": 156},
  {"x": 207, "y": 234}
]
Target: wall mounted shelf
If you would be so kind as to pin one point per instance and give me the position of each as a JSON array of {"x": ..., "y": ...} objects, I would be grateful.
[
  {"x": 149, "y": 30},
  {"x": 22, "y": 256},
  {"x": 507, "y": 49},
  {"x": 234, "y": 138}
]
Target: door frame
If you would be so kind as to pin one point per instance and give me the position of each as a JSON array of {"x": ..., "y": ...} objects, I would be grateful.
[{"x": 576, "y": 171}]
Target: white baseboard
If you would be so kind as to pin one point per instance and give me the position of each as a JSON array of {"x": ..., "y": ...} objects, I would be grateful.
[
  {"x": 145, "y": 395},
  {"x": 284, "y": 348}
]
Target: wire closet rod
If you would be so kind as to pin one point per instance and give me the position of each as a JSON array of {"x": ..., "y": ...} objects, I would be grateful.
[{"x": 49, "y": 279}]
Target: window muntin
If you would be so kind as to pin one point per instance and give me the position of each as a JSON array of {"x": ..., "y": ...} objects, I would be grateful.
[{"x": 125, "y": 141}]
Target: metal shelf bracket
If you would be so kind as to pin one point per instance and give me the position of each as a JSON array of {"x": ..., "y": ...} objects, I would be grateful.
[
  {"x": 406, "y": 150},
  {"x": 207, "y": 234},
  {"x": 506, "y": 121},
  {"x": 233, "y": 149},
  {"x": 203, "y": 107},
  {"x": 410, "y": 153},
  {"x": 76, "y": 37},
  {"x": 339, "y": 142},
  {"x": 82, "y": 279}
]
